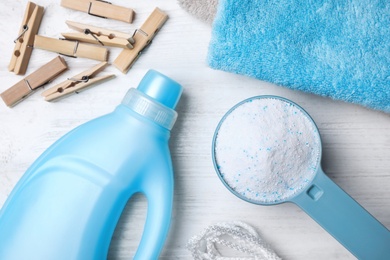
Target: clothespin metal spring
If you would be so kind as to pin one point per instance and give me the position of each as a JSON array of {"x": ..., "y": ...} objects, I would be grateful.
[
  {"x": 90, "y": 6},
  {"x": 110, "y": 36},
  {"x": 33, "y": 89},
  {"x": 89, "y": 32},
  {"x": 25, "y": 29},
  {"x": 74, "y": 50},
  {"x": 83, "y": 79},
  {"x": 28, "y": 84}
]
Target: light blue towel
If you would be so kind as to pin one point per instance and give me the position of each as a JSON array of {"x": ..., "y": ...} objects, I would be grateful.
[{"x": 339, "y": 48}]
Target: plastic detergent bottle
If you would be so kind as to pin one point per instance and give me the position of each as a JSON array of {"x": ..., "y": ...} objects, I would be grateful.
[{"x": 67, "y": 204}]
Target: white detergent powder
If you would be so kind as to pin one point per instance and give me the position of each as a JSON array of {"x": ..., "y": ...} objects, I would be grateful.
[{"x": 267, "y": 150}]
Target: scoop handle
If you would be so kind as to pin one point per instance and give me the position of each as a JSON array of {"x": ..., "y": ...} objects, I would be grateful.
[{"x": 347, "y": 221}]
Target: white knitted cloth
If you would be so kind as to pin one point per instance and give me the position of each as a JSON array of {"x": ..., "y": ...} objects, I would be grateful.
[{"x": 238, "y": 236}]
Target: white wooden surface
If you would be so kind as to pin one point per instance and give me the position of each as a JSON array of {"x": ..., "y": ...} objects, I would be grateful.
[{"x": 356, "y": 141}]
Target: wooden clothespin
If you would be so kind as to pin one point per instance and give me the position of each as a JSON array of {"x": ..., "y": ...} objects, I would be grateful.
[
  {"x": 101, "y": 9},
  {"x": 71, "y": 48},
  {"x": 40, "y": 77},
  {"x": 23, "y": 43},
  {"x": 96, "y": 35},
  {"x": 142, "y": 37},
  {"x": 77, "y": 83}
]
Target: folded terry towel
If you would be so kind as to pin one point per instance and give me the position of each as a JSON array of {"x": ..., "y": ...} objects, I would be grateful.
[{"x": 339, "y": 49}]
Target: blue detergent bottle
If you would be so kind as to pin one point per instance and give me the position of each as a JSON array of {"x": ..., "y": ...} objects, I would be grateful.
[{"x": 67, "y": 204}]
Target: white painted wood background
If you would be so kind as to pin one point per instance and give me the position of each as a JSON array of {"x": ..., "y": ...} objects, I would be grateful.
[{"x": 356, "y": 140}]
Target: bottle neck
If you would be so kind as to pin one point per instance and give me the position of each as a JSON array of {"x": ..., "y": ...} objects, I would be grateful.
[{"x": 150, "y": 109}]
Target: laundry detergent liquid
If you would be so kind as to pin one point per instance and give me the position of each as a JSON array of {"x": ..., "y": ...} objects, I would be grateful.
[{"x": 68, "y": 203}]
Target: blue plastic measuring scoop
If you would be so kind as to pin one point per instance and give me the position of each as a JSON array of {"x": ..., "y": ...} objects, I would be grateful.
[{"x": 267, "y": 150}]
